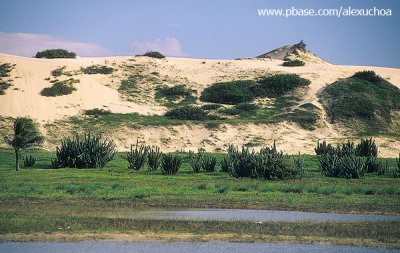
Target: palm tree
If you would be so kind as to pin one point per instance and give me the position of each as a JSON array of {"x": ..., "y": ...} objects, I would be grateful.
[{"x": 26, "y": 135}]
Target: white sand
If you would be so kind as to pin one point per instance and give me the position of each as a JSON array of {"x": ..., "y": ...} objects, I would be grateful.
[{"x": 100, "y": 91}]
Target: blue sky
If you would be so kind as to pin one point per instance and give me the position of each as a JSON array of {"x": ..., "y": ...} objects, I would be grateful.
[{"x": 224, "y": 29}]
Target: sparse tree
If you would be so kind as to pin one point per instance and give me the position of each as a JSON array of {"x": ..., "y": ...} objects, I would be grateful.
[{"x": 26, "y": 135}]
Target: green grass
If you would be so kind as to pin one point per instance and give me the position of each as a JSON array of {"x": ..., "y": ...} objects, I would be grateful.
[
  {"x": 372, "y": 194},
  {"x": 364, "y": 102}
]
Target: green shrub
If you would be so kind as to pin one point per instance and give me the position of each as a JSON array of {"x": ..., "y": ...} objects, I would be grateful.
[
  {"x": 177, "y": 90},
  {"x": 268, "y": 163},
  {"x": 396, "y": 171},
  {"x": 208, "y": 107},
  {"x": 195, "y": 160},
  {"x": 369, "y": 76},
  {"x": 58, "y": 72},
  {"x": 97, "y": 111},
  {"x": 367, "y": 148},
  {"x": 372, "y": 164},
  {"x": 187, "y": 113},
  {"x": 128, "y": 85},
  {"x": 224, "y": 188},
  {"x": 29, "y": 161},
  {"x": 202, "y": 161},
  {"x": 246, "y": 107},
  {"x": 280, "y": 84},
  {"x": 323, "y": 148},
  {"x": 208, "y": 163},
  {"x": 383, "y": 169},
  {"x": 97, "y": 69},
  {"x": 365, "y": 98},
  {"x": 137, "y": 156},
  {"x": 346, "y": 165},
  {"x": 5, "y": 69},
  {"x": 154, "y": 54},
  {"x": 170, "y": 164},
  {"x": 229, "y": 92},
  {"x": 225, "y": 164},
  {"x": 4, "y": 86},
  {"x": 306, "y": 119},
  {"x": 154, "y": 158},
  {"x": 60, "y": 88},
  {"x": 55, "y": 53},
  {"x": 84, "y": 152},
  {"x": 293, "y": 63}
]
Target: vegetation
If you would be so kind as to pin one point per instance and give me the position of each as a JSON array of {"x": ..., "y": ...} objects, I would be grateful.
[
  {"x": 367, "y": 148},
  {"x": 170, "y": 164},
  {"x": 208, "y": 107},
  {"x": 171, "y": 95},
  {"x": 97, "y": 112},
  {"x": 187, "y": 113},
  {"x": 25, "y": 135},
  {"x": 153, "y": 54},
  {"x": 347, "y": 160},
  {"x": 55, "y": 53},
  {"x": 4, "y": 85},
  {"x": 137, "y": 156},
  {"x": 29, "y": 161},
  {"x": 58, "y": 72},
  {"x": 87, "y": 151},
  {"x": 365, "y": 99},
  {"x": 60, "y": 88},
  {"x": 201, "y": 161},
  {"x": 269, "y": 163},
  {"x": 293, "y": 63},
  {"x": 306, "y": 116},
  {"x": 5, "y": 70},
  {"x": 280, "y": 84},
  {"x": 229, "y": 92},
  {"x": 243, "y": 91},
  {"x": 97, "y": 69},
  {"x": 154, "y": 156},
  {"x": 128, "y": 86},
  {"x": 314, "y": 192}
]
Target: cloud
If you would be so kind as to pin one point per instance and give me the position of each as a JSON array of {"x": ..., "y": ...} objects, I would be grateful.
[
  {"x": 168, "y": 46},
  {"x": 27, "y": 44}
]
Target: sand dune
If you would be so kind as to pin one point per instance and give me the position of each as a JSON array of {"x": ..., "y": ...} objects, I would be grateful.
[{"x": 100, "y": 91}]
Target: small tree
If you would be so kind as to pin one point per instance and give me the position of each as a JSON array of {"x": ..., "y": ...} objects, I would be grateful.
[{"x": 26, "y": 135}]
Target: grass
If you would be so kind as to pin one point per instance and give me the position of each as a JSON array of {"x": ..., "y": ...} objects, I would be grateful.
[
  {"x": 64, "y": 203},
  {"x": 372, "y": 194}
]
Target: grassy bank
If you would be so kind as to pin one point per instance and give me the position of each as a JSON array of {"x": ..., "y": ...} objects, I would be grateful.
[
  {"x": 314, "y": 192},
  {"x": 41, "y": 203}
]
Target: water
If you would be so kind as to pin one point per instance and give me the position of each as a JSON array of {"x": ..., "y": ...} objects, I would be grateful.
[
  {"x": 174, "y": 247},
  {"x": 242, "y": 215}
]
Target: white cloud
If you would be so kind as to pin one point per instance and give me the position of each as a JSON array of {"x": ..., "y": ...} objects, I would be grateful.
[
  {"x": 168, "y": 46},
  {"x": 27, "y": 44}
]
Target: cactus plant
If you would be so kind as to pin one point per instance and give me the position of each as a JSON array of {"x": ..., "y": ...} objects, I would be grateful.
[
  {"x": 87, "y": 151},
  {"x": 367, "y": 148},
  {"x": 29, "y": 161},
  {"x": 137, "y": 156},
  {"x": 170, "y": 164},
  {"x": 153, "y": 158}
]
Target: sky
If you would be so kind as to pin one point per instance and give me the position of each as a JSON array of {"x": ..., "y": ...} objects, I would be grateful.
[{"x": 212, "y": 29}]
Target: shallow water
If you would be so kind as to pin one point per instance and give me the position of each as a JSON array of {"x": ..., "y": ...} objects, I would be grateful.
[
  {"x": 242, "y": 215},
  {"x": 173, "y": 247}
]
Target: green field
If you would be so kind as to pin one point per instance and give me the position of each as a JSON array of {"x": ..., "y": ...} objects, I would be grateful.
[{"x": 45, "y": 200}]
